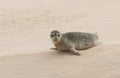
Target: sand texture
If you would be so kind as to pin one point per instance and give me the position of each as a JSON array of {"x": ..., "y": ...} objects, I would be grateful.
[{"x": 25, "y": 26}]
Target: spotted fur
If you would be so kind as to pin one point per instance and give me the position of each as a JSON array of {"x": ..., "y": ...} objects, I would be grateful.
[{"x": 73, "y": 41}]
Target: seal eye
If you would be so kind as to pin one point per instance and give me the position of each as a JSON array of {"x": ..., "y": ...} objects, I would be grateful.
[
  {"x": 58, "y": 35},
  {"x": 52, "y": 35}
]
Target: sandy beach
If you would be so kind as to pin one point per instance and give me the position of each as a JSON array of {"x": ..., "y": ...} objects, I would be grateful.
[{"x": 25, "y": 44}]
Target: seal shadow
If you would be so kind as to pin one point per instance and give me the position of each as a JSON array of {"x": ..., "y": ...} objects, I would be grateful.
[{"x": 58, "y": 52}]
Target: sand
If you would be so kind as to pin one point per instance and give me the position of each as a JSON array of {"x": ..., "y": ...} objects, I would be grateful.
[{"x": 25, "y": 45}]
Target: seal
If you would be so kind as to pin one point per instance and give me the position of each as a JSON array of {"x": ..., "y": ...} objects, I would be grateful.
[{"x": 73, "y": 41}]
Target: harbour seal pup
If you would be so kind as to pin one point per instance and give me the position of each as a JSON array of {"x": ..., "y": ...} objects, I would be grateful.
[{"x": 73, "y": 41}]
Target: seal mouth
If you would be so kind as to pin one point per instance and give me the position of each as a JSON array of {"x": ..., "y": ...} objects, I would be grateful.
[{"x": 55, "y": 39}]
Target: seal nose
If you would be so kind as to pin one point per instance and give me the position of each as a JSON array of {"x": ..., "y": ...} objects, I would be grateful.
[{"x": 55, "y": 39}]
